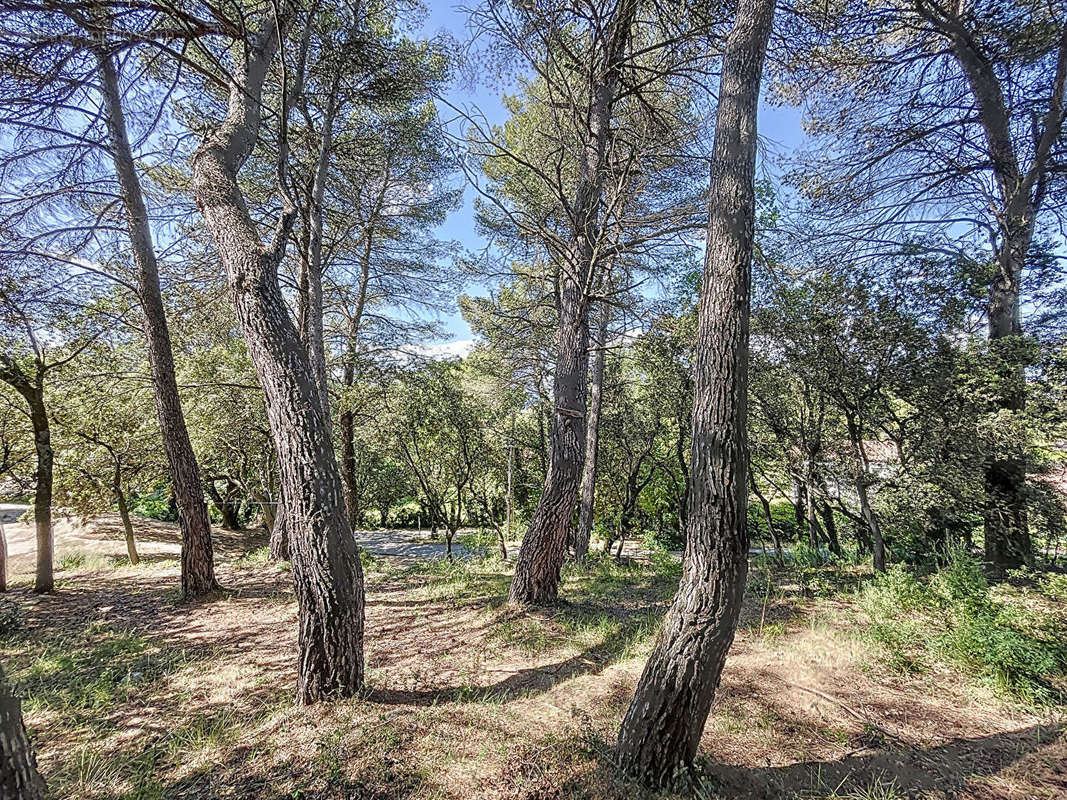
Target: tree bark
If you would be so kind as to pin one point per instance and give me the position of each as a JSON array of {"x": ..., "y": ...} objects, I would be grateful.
[
  {"x": 315, "y": 338},
  {"x": 683, "y": 469},
  {"x": 543, "y": 549},
  {"x": 327, "y": 575},
  {"x": 124, "y": 515},
  {"x": 224, "y": 507},
  {"x": 198, "y": 560},
  {"x": 592, "y": 441},
  {"x": 44, "y": 579},
  {"x": 662, "y": 728},
  {"x": 830, "y": 527},
  {"x": 347, "y": 420},
  {"x": 347, "y": 426},
  {"x": 19, "y": 779},
  {"x": 279, "y": 533},
  {"x": 3, "y": 558}
]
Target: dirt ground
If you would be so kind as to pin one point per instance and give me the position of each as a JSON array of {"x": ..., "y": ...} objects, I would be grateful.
[{"x": 130, "y": 693}]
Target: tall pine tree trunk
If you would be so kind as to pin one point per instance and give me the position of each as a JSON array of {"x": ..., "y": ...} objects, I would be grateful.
[
  {"x": 1021, "y": 193},
  {"x": 662, "y": 728},
  {"x": 1006, "y": 528},
  {"x": 327, "y": 575},
  {"x": 592, "y": 441},
  {"x": 198, "y": 560},
  {"x": 544, "y": 546},
  {"x": 541, "y": 555}
]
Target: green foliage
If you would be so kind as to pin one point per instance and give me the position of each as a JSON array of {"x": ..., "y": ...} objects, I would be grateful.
[
  {"x": 155, "y": 505},
  {"x": 953, "y": 617},
  {"x": 1054, "y": 585}
]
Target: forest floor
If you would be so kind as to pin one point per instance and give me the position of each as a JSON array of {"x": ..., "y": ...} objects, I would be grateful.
[{"x": 130, "y": 693}]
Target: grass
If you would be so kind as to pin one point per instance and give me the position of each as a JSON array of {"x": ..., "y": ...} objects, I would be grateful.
[
  {"x": 469, "y": 697},
  {"x": 84, "y": 675},
  {"x": 85, "y": 560}
]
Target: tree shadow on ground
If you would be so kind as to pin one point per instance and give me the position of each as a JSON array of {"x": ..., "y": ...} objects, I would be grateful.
[
  {"x": 944, "y": 769},
  {"x": 535, "y": 680}
]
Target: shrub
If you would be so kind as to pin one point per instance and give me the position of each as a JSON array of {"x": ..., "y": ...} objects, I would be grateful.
[
  {"x": 154, "y": 506},
  {"x": 954, "y": 618},
  {"x": 1054, "y": 584}
]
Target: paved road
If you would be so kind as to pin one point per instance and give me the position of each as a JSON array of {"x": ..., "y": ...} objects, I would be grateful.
[
  {"x": 10, "y": 512},
  {"x": 407, "y": 544}
]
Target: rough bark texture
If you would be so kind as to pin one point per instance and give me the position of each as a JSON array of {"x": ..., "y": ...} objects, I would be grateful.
[
  {"x": 662, "y": 728},
  {"x": 198, "y": 560},
  {"x": 592, "y": 442},
  {"x": 279, "y": 534},
  {"x": 544, "y": 546},
  {"x": 327, "y": 575},
  {"x": 19, "y": 779}
]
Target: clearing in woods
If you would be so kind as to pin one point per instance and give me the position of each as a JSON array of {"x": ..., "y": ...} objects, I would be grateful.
[{"x": 131, "y": 694}]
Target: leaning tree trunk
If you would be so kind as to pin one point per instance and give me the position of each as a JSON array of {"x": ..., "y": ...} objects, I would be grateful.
[
  {"x": 19, "y": 779},
  {"x": 32, "y": 391},
  {"x": 830, "y": 526},
  {"x": 544, "y": 546},
  {"x": 662, "y": 728},
  {"x": 124, "y": 516},
  {"x": 327, "y": 575},
  {"x": 863, "y": 483},
  {"x": 198, "y": 559},
  {"x": 229, "y": 519},
  {"x": 769, "y": 517},
  {"x": 537, "y": 568},
  {"x": 592, "y": 440}
]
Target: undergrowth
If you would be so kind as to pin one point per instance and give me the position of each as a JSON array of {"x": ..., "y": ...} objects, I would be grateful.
[{"x": 954, "y": 617}]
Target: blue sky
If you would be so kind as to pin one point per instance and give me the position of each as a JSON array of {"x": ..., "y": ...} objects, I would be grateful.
[{"x": 779, "y": 127}]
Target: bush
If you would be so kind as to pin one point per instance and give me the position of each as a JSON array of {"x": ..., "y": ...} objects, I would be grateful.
[
  {"x": 782, "y": 513},
  {"x": 482, "y": 543},
  {"x": 1054, "y": 585},
  {"x": 954, "y": 618},
  {"x": 154, "y": 506}
]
